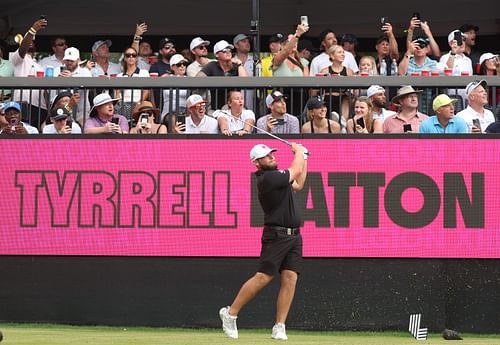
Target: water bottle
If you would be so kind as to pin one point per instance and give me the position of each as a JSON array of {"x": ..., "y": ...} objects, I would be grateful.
[
  {"x": 394, "y": 68},
  {"x": 49, "y": 71},
  {"x": 32, "y": 72},
  {"x": 383, "y": 68}
]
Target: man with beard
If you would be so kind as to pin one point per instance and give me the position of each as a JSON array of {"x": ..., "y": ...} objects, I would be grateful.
[
  {"x": 278, "y": 121},
  {"x": 25, "y": 65},
  {"x": 167, "y": 50},
  {"x": 281, "y": 250},
  {"x": 376, "y": 93}
]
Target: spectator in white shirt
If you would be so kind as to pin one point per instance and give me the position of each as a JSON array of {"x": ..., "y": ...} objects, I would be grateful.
[{"x": 475, "y": 115}]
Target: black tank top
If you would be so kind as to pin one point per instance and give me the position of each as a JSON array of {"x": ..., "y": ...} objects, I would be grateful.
[
  {"x": 332, "y": 72},
  {"x": 329, "y": 128}
]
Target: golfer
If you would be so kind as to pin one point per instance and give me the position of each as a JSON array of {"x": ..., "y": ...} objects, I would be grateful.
[{"x": 281, "y": 241}]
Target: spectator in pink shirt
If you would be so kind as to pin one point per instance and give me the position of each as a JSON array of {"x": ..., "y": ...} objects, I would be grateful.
[{"x": 408, "y": 118}]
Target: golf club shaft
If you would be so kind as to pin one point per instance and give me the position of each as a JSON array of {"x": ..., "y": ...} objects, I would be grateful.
[{"x": 259, "y": 129}]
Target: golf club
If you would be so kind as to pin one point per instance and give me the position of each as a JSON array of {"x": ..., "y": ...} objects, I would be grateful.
[{"x": 258, "y": 129}]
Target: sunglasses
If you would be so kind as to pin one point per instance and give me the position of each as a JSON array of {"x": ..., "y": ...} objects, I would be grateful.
[
  {"x": 61, "y": 44},
  {"x": 129, "y": 55},
  {"x": 202, "y": 47},
  {"x": 226, "y": 50},
  {"x": 169, "y": 46},
  {"x": 180, "y": 64}
]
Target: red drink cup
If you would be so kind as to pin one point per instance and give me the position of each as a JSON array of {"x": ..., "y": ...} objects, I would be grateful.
[
  {"x": 425, "y": 73},
  {"x": 464, "y": 74},
  {"x": 415, "y": 74},
  {"x": 153, "y": 75},
  {"x": 364, "y": 74},
  {"x": 435, "y": 73},
  {"x": 113, "y": 75},
  {"x": 448, "y": 71},
  {"x": 40, "y": 74}
]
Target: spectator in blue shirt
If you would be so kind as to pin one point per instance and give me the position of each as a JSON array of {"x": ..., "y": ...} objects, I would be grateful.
[{"x": 444, "y": 122}]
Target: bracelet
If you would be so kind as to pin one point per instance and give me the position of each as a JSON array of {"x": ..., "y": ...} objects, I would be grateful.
[
  {"x": 137, "y": 38},
  {"x": 32, "y": 31}
]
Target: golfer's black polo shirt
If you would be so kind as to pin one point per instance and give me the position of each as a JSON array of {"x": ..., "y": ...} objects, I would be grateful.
[{"x": 277, "y": 198}]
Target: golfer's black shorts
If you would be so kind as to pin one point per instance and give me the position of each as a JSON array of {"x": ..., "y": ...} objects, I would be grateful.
[{"x": 280, "y": 251}]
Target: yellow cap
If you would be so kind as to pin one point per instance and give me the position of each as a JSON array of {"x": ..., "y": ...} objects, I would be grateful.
[{"x": 441, "y": 101}]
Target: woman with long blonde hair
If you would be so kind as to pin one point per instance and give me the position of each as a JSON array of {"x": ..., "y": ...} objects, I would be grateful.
[{"x": 363, "y": 121}]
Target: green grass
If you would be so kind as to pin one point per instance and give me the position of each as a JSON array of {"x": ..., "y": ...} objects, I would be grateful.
[{"x": 45, "y": 334}]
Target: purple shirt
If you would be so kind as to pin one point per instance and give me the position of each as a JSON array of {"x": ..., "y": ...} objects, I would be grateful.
[{"x": 93, "y": 122}]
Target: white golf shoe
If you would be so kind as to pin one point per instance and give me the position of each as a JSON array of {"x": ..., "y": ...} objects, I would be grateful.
[
  {"x": 228, "y": 323},
  {"x": 279, "y": 332}
]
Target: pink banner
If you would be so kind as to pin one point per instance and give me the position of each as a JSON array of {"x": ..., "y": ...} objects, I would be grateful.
[{"x": 196, "y": 197}]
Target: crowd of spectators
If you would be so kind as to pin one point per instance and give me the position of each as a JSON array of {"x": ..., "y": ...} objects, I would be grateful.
[{"x": 242, "y": 112}]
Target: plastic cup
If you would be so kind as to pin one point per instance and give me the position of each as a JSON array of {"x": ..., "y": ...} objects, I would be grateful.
[
  {"x": 153, "y": 75},
  {"x": 415, "y": 74},
  {"x": 40, "y": 74},
  {"x": 321, "y": 74},
  {"x": 464, "y": 74},
  {"x": 435, "y": 73},
  {"x": 102, "y": 76},
  {"x": 448, "y": 71},
  {"x": 364, "y": 74},
  {"x": 425, "y": 73},
  {"x": 113, "y": 75}
]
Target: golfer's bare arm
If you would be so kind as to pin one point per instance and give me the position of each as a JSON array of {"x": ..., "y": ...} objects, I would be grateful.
[{"x": 297, "y": 169}]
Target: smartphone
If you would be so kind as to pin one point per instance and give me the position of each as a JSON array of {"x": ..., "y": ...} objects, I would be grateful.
[
  {"x": 143, "y": 120},
  {"x": 407, "y": 127},
  {"x": 13, "y": 122},
  {"x": 115, "y": 120},
  {"x": 304, "y": 20},
  {"x": 69, "y": 121},
  {"x": 43, "y": 16},
  {"x": 384, "y": 20},
  {"x": 476, "y": 123},
  {"x": 280, "y": 122},
  {"x": 141, "y": 21},
  {"x": 63, "y": 68},
  {"x": 181, "y": 119},
  {"x": 416, "y": 15},
  {"x": 457, "y": 36},
  {"x": 361, "y": 121}
]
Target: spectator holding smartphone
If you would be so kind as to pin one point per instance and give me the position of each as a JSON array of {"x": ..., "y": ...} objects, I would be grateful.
[
  {"x": 408, "y": 118},
  {"x": 363, "y": 121},
  {"x": 144, "y": 116},
  {"x": 444, "y": 122},
  {"x": 62, "y": 121},
  {"x": 278, "y": 121},
  {"x": 477, "y": 117},
  {"x": 13, "y": 116},
  {"x": 103, "y": 119}
]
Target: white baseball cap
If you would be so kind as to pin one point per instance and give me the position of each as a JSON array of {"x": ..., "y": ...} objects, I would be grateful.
[
  {"x": 374, "y": 89},
  {"x": 487, "y": 56},
  {"x": 72, "y": 54},
  {"x": 196, "y": 42},
  {"x": 259, "y": 151},
  {"x": 273, "y": 97},
  {"x": 194, "y": 100},
  {"x": 473, "y": 84},
  {"x": 177, "y": 58},
  {"x": 221, "y": 45}
]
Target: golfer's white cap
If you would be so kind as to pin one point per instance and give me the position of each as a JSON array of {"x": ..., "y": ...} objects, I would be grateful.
[{"x": 259, "y": 151}]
